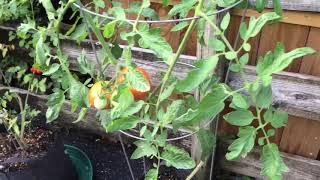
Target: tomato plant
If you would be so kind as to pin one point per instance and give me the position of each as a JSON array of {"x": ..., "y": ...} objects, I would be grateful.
[{"x": 127, "y": 99}]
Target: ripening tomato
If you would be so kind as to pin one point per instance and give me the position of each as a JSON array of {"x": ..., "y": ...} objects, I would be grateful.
[
  {"x": 138, "y": 95},
  {"x": 99, "y": 96},
  {"x": 35, "y": 70}
]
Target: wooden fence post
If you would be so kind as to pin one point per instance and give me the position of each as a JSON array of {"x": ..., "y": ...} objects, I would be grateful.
[{"x": 204, "y": 52}]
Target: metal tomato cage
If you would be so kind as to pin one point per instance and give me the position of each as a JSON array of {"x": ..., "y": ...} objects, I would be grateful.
[{"x": 82, "y": 10}]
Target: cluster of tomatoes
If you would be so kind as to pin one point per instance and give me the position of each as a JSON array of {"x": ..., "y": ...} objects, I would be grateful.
[{"x": 99, "y": 94}]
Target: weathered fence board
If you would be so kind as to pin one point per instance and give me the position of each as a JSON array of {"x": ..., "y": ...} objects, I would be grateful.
[
  {"x": 311, "y": 64},
  {"x": 301, "y": 136},
  {"x": 297, "y": 94},
  {"x": 290, "y": 17},
  {"x": 300, "y": 168},
  {"x": 297, "y": 5}
]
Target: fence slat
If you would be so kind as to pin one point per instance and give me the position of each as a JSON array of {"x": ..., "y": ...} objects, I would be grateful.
[
  {"x": 311, "y": 64},
  {"x": 292, "y": 36},
  {"x": 297, "y": 5},
  {"x": 297, "y": 94},
  {"x": 300, "y": 168},
  {"x": 301, "y": 137},
  {"x": 290, "y": 17}
]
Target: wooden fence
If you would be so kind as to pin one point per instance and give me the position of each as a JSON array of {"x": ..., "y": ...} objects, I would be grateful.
[
  {"x": 301, "y": 136},
  {"x": 297, "y": 90}
]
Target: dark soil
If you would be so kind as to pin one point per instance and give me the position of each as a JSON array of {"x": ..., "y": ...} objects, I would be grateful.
[
  {"x": 11, "y": 155},
  {"x": 45, "y": 159},
  {"x": 108, "y": 160}
]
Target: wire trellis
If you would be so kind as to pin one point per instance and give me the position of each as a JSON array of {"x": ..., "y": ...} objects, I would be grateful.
[
  {"x": 81, "y": 7},
  {"x": 106, "y": 17}
]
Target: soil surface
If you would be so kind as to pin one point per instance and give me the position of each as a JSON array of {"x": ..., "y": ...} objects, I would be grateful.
[
  {"x": 45, "y": 159},
  {"x": 108, "y": 160},
  {"x": 38, "y": 139}
]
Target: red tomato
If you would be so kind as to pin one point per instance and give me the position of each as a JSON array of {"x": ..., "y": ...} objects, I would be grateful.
[{"x": 138, "y": 95}]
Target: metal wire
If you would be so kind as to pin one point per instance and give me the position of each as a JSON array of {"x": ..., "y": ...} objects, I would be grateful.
[
  {"x": 126, "y": 156},
  {"x": 157, "y": 21},
  {"x": 170, "y": 139},
  {"x": 182, "y": 63}
]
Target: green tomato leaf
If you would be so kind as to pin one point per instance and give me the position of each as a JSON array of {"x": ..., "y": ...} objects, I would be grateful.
[
  {"x": 182, "y": 8},
  {"x": 80, "y": 33},
  {"x": 277, "y": 118},
  {"x": 49, "y": 9},
  {"x": 263, "y": 99},
  {"x": 152, "y": 174},
  {"x": 154, "y": 41},
  {"x": 124, "y": 101},
  {"x": 172, "y": 112},
  {"x": 196, "y": 76},
  {"x": 122, "y": 124},
  {"x": 137, "y": 81},
  {"x": 144, "y": 148},
  {"x": 225, "y": 3},
  {"x": 260, "y": 4},
  {"x": 133, "y": 108},
  {"x": 209, "y": 107},
  {"x": 240, "y": 101},
  {"x": 79, "y": 93},
  {"x": 167, "y": 92},
  {"x": 40, "y": 51},
  {"x": 55, "y": 103},
  {"x": 225, "y": 22},
  {"x": 247, "y": 47},
  {"x": 23, "y": 29},
  {"x": 255, "y": 25},
  {"x": 235, "y": 67},
  {"x": 84, "y": 66},
  {"x": 208, "y": 142},
  {"x": 239, "y": 117},
  {"x": 244, "y": 59},
  {"x": 281, "y": 61},
  {"x": 177, "y": 157},
  {"x": 82, "y": 114},
  {"x": 272, "y": 164},
  {"x": 108, "y": 29},
  {"x": 162, "y": 138},
  {"x": 52, "y": 69},
  {"x": 231, "y": 55},
  {"x": 277, "y": 7},
  {"x": 243, "y": 145},
  {"x": 216, "y": 44},
  {"x": 118, "y": 13},
  {"x": 180, "y": 26}
]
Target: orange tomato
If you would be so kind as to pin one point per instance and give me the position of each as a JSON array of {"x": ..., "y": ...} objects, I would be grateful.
[
  {"x": 138, "y": 95},
  {"x": 99, "y": 96}
]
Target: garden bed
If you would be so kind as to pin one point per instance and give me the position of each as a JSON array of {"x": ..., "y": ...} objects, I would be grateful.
[{"x": 106, "y": 156}]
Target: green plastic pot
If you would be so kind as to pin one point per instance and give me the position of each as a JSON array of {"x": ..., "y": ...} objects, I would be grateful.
[{"x": 80, "y": 161}]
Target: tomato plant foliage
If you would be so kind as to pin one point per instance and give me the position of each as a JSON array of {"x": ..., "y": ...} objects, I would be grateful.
[{"x": 155, "y": 110}]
